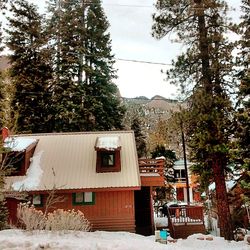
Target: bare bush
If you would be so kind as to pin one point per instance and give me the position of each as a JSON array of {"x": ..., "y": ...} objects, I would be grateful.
[
  {"x": 30, "y": 218},
  {"x": 33, "y": 219},
  {"x": 67, "y": 220}
]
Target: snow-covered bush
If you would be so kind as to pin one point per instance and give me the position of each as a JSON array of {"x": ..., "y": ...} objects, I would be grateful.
[
  {"x": 30, "y": 218},
  {"x": 67, "y": 220}
]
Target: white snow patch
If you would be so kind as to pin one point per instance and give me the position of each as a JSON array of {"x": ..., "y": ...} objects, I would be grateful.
[
  {"x": 229, "y": 185},
  {"x": 100, "y": 240},
  {"x": 33, "y": 176},
  {"x": 18, "y": 144},
  {"x": 108, "y": 142},
  {"x": 161, "y": 221},
  {"x": 160, "y": 158}
]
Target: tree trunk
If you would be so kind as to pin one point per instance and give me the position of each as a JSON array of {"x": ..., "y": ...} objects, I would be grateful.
[{"x": 225, "y": 221}]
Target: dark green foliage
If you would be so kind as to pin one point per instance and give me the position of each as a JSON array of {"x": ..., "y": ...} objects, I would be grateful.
[
  {"x": 206, "y": 70},
  {"x": 241, "y": 152},
  {"x": 3, "y": 214},
  {"x": 140, "y": 138},
  {"x": 1, "y": 76},
  {"x": 160, "y": 150},
  {"x": 1, "y": 101},
  {"x": 3, "y": 208},
  {"x": 84, "y": 96},
  {"x": 101, "y": 95},
  {"x": 170, "y": 158},
  {"x": 30, "y": 72}
]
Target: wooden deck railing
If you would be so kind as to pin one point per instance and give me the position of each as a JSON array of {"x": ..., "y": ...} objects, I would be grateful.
[
  {"x": 151, "y": 166},
  {"x": 186, "y": 215}
]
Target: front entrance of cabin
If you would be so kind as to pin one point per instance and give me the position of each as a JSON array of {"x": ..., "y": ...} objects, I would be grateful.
[{"x": 143, "y": 211}]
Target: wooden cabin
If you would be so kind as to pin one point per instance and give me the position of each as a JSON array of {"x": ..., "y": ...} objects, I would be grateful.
[{"x": 94, "y": 172}]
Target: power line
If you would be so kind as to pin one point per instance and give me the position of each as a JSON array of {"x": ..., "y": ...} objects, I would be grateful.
[{"x": 142, "y": 61}]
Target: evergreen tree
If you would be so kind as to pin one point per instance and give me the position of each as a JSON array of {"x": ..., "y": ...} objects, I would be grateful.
[
  {"x": 1, "y": 76},
  {"x": 84, "y": 96},
  {"x": 242, "y": 132},
  {"x": 201, "y": 25},
  {"x": 101, "y": 95},
  {"x": 66, "y": 30},
  {"x": 140, "y": 138},
  {"x": 30, "y": 71},
  {"x": 160, "y": 150},
  {"x": 3, "y": 208}
]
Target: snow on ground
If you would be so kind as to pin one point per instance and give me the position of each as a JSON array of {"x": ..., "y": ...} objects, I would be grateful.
[{"x": 100, "y": 240}]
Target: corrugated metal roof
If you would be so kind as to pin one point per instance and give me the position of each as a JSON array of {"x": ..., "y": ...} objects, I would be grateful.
[{"x": 68, "y": 161}]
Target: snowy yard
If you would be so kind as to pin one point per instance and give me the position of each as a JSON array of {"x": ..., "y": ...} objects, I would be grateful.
[{"x": 100, "y": 240}]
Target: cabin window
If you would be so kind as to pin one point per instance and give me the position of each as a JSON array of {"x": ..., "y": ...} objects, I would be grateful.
[
  {"x": 14, "y": 161},
  {"x": 37, "y": 200},
  {"x": 108, "y": 154},
  {"x": 180, "y": 175},
  {"x": 17, "y": 157},
  {"x": 86, "y": 198},
  {"x": 107, "y": 159}
]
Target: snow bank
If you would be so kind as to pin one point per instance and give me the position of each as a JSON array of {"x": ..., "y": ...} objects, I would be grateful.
[{"x": 100, "y": 240}]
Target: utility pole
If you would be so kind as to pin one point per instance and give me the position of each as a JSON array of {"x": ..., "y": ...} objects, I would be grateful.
[{"x": 185, "y": 161}]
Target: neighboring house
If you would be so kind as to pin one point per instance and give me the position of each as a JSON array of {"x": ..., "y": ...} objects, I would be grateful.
[
  {"x": 238, "y": 199},
  {"x": 95, "y": 172},
  {"x": 179, "y": 183}
]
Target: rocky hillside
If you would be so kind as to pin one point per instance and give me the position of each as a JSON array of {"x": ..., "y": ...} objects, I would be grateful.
[{"x": 154, "y": 109}]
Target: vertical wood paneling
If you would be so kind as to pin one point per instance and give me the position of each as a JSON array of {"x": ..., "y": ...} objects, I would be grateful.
[{"x": 112, "y": 210}]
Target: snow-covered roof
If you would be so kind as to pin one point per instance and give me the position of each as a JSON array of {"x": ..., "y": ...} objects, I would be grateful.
[
  {"x": 18, "y": 144},
  {"x": 69, "y": 160},
  {"x": 180, "y": 164},
  {"x": 108, "y": 142}
]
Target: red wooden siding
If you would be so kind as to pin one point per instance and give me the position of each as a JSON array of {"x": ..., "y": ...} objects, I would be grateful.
[
  {"x": 113, "y": 211},
  {"x": 12, "y": 209}
]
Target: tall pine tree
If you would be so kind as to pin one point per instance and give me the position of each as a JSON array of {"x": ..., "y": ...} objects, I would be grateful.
[
  {"x": 66, "y": 32},
  {"x": 242, "y": 132},
  {"x": 201, "y": 25},
  {"x": 30, "y": 71},
  {"x": 84, "y": 96},
  {"x": 3, "y": 208},
  {"x": 101, "y": 95}
]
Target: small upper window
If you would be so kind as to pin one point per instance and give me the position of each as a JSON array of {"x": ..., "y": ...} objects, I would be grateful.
[
  {"x": 108, "y": 159},
  {"x": 108, "y": 154},
  {"x": 17, "y": 155}
]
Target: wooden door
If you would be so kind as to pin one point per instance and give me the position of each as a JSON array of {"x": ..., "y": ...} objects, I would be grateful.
[{"x": 143, "y": 211}]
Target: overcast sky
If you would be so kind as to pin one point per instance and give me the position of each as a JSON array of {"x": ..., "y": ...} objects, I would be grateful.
[{"x": 130, "y": 29}]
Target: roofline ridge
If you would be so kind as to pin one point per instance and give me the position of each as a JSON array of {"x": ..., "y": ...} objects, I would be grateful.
[{"x": 74, "y": 133}]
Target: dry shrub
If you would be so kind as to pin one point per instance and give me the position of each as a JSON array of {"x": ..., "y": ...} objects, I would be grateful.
[
  {"x": 60, "y": 219},
  {"x": 67, "y": 220},
  {"x": 31, "y": 218}
]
